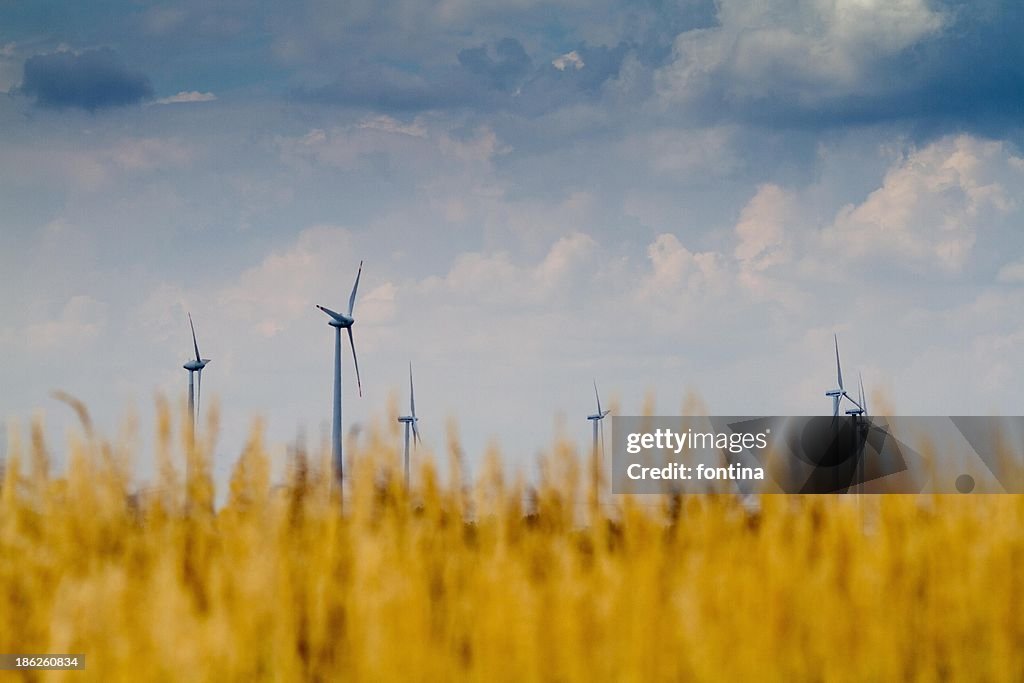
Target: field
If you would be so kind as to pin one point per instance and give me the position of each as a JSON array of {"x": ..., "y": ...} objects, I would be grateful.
[{"x": 488, "y": 579}]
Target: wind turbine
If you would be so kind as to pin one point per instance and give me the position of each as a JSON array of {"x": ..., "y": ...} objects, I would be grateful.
[
  {"x": 339, "y": 321},
  {"x": 837, "y": 394},
  {"x": 410, "y": 420},
  {"x": 596, "y": 418},
  {"x": 859, "y": 410},
  {"x": 194, "y": 367}
]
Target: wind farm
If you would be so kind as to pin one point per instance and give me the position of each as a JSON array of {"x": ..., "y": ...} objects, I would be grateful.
[
  {"x": 648, "y": 215},
  {"x": 442, "y": 565}
]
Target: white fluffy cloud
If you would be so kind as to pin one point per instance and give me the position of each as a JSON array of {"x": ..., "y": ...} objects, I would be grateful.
[
  {"x": 931, "y": 206},
  {"x": 808, "y": 49},
  {"x": 694, "y": 151},
  {"x": 761, "y": 230},
  {"x": 926, "y": 216},
  {"x": 79, "y": 321},
  {"x": 416, "y": 146},
  {"x": 317, "y": 269},
  {"x": 146, "y": 154},
  {"x": 97, "y": 166},
  {"x": 187, "y": 96},
  {"x": 10, "y": 67},
  {"x": 1012, "y": 273},
  {"x": 676, "y": 270},
  {"x": 570, "y": 60}
]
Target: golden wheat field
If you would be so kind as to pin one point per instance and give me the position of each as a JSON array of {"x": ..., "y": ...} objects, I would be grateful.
[{"x": 488, "y": 579}]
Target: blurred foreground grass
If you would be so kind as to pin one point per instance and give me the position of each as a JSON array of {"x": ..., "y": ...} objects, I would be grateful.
[{"x": 489, "y": 580}]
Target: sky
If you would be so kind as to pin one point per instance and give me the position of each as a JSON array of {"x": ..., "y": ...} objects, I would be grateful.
[{"x": 675, "y": 199}]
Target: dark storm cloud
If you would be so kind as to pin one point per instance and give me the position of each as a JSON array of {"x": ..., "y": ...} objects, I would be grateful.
[
  {"x": 485, "y": 57},
  {"x": 967, "y": 76},
  {"x": 974, "y": 73},
  {"x": 90, "y": 80}
]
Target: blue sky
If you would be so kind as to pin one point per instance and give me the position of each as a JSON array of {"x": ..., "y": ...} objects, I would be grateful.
[{"x": 667, "y": 197}]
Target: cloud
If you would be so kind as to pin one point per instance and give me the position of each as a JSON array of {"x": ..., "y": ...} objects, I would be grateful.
[
  {"x": 10, "y": 67},
  {"x": 506, "y": 71},
  {"x": 848, "y": 62},
  {"x": 494, "y": 281},
  {"x": 479, "y": 147},
  {"x": 286, "y": 284},
  {"x": 949, "y": 64},
  {"x": 79, "y": 321},
  {"x": 809, "y": 50},
  {"x": 569, "y": 59},
  {"x": 146, "y": 154},
  {"x": 679, "y": 280},
  {"x": 414, "y": 145},
  {"x": 940, "y": 211},
  {"x": 347, "y": 147},
  {"x": 1012, "y": 273},
  {"x": 390, "y": 125},
  {"x": 701, "y": 151},
  {"x": 186, "y": 96},
  {"x": 485, "y": 78},
  {"x": 930, "y": 206},
  {"x": 762, "y": 227},
  {"x": 92, "y": 79},
  {"x": 478, "y": 79},
  {"x": 162, "y": 20},
  {"x": 385, "y": 88},
  {"x": 97, "y": 164}
]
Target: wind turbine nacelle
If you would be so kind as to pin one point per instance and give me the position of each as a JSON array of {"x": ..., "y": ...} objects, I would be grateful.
[
  {"x": 194, "y": 365},
  {"x": 337, "y": 319},
  {"x": 834, "y": 393}
]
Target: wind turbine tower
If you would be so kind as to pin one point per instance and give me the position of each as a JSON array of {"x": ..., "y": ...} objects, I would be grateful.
[
  {"x": 341, "y": 321},
  {"x": 194, "y": 367},
  {"x": 410, "y": 420}
]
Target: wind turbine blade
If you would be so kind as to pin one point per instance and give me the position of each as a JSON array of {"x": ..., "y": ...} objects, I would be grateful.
[
  {"x": 355, "y": 359},
  {"x": 194, "y": 342},
  {"x": 415, "y": 433},
  {"x": 412, "y": 400},
  {"x": 352, "y": 297},
  {"x": 839, "y": 369},
  {"x": 850, "y": 399},
  {"x": 863, "y": 399},
  {"x": 598, "y": 397}
]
